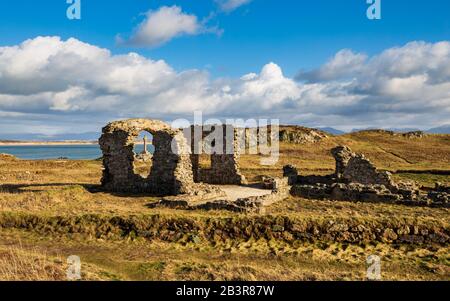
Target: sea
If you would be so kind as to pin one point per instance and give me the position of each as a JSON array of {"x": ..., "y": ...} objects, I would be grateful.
[{"x": 72, "y": 151}]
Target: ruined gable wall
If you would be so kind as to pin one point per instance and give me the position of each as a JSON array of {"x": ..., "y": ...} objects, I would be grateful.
[
  {"x": 171, "y": 171},
  {"x": 225, "y": 165},
  {"x": 360, "y": 170},
  {"x": 342, "y": 154}
]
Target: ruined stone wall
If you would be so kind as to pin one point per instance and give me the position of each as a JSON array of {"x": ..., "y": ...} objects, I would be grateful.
[
  {"x": 356, "y": 168},
  {"x": 342, "y": 154},
  {"x": 171, "y": 171},
  {"x": 217, "y": 200},
  {"x": 360, "y": 170},
  {"x": 224, "y": 168},
  {"x": 357, "y": 179},
  {"x": 440, "y": 194}
]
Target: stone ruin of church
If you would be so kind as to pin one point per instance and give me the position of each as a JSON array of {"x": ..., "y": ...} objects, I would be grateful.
[
  {"x": 171, "y": 172},
  {"x": 177, "y": 175},
  {"x": 176, "y": 166},
  {"x": 224, "y": 169}
]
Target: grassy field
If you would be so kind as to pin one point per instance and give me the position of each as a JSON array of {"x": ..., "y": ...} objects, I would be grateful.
[{"x": 43, "y": 190}]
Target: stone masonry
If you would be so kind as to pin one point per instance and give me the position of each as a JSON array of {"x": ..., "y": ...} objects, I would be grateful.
[
  {"x": 224, "y": 168},
  {"x": 342, "y": 154},
  {"x": 360, "y": 170},
  {"x": 357, "y": 179},
  {"x": 171, "y": 172}
]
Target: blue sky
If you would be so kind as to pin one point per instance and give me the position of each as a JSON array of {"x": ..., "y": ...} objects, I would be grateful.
[
  {"x": 294, "y": 34},
  {"x": 291, "y": 39}
]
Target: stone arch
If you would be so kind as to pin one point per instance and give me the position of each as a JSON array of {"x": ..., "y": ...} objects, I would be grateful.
[
  {"x": 171, "y": 173},
  {"x": 143, "y": 157}
]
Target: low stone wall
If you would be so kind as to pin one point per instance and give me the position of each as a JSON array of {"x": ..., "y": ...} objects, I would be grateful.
[
  {"x": 216, "y": 229},
  {"x": 314, "y": 192},
  {"x": 367, "y": 193},
  {"x": 440, "y": 194},
  {"x": 280, "y": 190},
  {"x": 357, "y": 179}
]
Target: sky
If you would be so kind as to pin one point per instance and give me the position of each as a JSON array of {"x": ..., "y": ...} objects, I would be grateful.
[{"x": 318, "y": 63}]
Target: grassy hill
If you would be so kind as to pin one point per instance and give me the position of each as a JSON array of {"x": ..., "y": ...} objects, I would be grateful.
[{"x": 388, "y": 152}]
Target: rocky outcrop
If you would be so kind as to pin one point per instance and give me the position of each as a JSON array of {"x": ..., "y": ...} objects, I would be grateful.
[
  {"x": 409, "y": 135},
  {"x": 300, "y": 135},
  {"x": 413, "y": 135}
]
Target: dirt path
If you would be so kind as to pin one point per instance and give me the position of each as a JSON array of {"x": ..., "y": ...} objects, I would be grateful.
[
  {"x": 237, "y": 192},
  {"x": 396, "y": 155}
]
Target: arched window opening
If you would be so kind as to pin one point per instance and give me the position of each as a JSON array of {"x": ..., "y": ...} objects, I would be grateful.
[{"x": 143, "y": 154}]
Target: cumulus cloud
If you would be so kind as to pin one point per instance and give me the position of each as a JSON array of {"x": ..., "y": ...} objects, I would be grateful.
[
  {"x": 344, "y": 64},
  {"x": 68, "y": 84},
  {"x": 165, "y": 24},
  {"x": 230, "y": 5},
  {"x": 412, "y": 80}
]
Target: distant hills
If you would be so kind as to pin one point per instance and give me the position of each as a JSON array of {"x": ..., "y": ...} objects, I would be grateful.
[
  {"x": 445, "y": 129},
  {"x": 332, "y": 131},
  {"x": 93, "y": 136},
  {"x": 90, "y": 136}
]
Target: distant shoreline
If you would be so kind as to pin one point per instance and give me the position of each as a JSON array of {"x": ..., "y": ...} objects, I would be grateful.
[{"x": 55, "y": 143}]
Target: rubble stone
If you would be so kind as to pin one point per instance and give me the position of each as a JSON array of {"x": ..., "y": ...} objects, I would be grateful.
[
  {"x": 440, "y": 194},
  {"x": 357, "y": 179},
  {"x": 360, "y": 170}
]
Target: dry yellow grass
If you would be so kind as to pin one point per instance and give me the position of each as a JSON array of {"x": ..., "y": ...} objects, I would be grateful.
[
  {"x": 70, "y": 188},
  {"x": 391, "y": 153},
  {"x": 16, "y": 263},
  {"x": 247, "y": 261}
]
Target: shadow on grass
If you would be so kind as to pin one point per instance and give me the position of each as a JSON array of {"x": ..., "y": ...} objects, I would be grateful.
[
  {"x": 25, "y": 188},
  {"x": 90, "y": 188}
]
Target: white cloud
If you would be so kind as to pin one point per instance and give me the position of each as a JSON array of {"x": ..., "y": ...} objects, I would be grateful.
[
  {"x": 344, "y": 64},
  {"x": 230, "y": 5},
  {"x": 67, "y": 84},
  {"x": 165, "y": 24}
]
